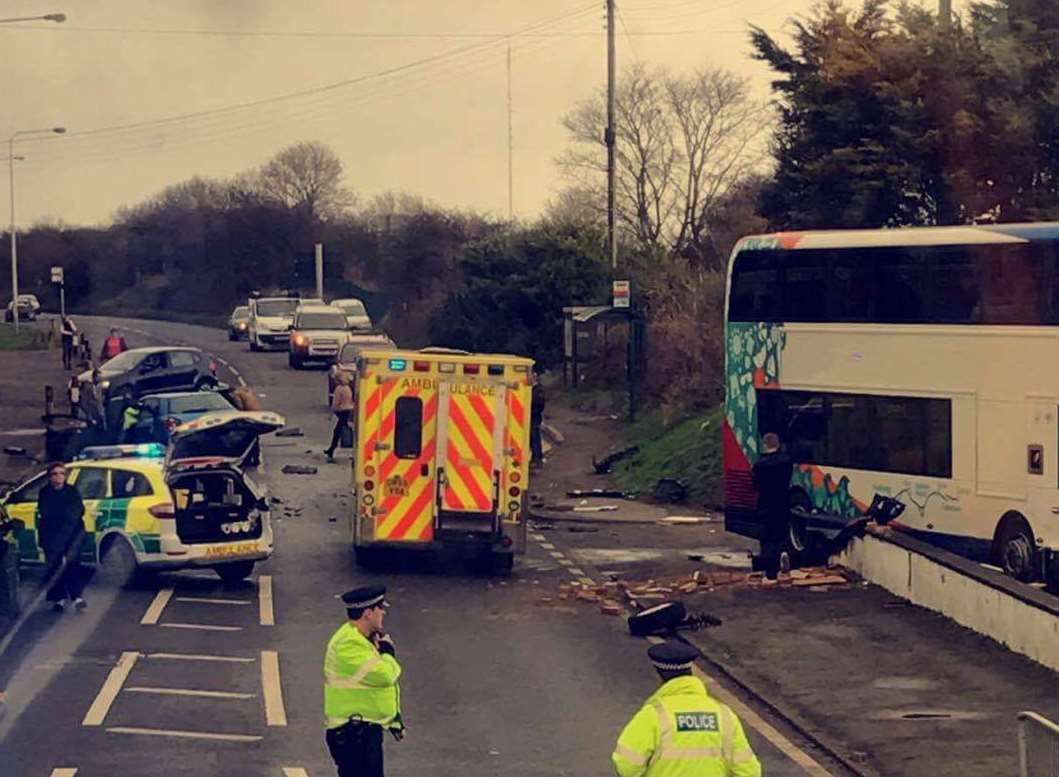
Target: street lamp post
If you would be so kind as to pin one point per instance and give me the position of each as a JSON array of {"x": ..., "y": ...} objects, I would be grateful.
[
  {"x": 14, "y": 242},
  {"x": 48, "y": 17}
]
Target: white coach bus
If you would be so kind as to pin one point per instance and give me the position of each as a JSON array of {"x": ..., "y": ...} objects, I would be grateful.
[{"x": 917, "y": 363}]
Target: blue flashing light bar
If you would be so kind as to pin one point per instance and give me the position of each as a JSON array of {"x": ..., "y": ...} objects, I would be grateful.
[
  {"x": 145, "y": 450},
  {"x": 398, "y": 365}
]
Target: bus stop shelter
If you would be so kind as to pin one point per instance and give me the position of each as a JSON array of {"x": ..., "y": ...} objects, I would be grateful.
[{"x": 585, "y": 327}]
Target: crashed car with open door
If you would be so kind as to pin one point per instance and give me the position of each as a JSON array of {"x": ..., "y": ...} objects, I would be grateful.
[{"x": 221, "y": 514}]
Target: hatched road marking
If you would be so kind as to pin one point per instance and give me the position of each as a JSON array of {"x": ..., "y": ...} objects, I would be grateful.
[
  {"x": 65, "y": 772},
  {"x": 201, "y": 657},
  {"x": 755, "y": 721},
  {"x": 264, "y": 597},
  {"x": 111, "y": 687},
  {"x": 275, "y": 714},
  {"x": 154, "y": 610},
  {"x": 164, "y": 732},
  {"x": 188, "y": 692},
  {"x": 199, "y": 627}
]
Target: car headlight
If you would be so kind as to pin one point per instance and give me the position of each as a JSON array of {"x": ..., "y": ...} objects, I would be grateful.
[
  {"x": 241, "y": 325},
  {"x": 104, "y": 384}
]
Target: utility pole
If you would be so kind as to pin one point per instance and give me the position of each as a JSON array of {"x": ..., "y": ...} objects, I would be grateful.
[
  {"x": 945, "y": 12},
  {"x": 510, "y": 143},
  {"x": 612, "y": 244}
]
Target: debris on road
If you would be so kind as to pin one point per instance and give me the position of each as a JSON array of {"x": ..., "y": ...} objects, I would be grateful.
[
  {"x": 604, "y": 493},
  {"x": 290, "y": 431},
  {"x": 582, "y": 529},
  {"x": 298, "y": 469},
  {"x": 552, "y": 433},
  {"x": 275, "y": 500},
  {"x": 671, "y": 491},
  {"x": 595, "y": 508},
  {"x": 604, "y": 465},
  {"x": 542, "y": 525},
  {"x": 611, "y": 607},
  {"x": 675, "y": 520}
]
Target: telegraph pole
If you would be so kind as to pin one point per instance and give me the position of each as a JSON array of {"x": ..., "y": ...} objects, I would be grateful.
[
  {"x": 612, "y": 244},
  {"x": 945, "y": 12},
  {"x": 510, "y": 143}
]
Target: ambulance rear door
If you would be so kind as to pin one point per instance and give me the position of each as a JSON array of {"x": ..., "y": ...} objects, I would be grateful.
[
  {"x": 471, "y": 425},
  {"x": 402, "y": 442}
]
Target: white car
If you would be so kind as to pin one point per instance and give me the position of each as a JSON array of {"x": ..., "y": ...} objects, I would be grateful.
[
  {"x": 357, "y": 319},
  {"x": 319, "y": 332},
  {"x": 270, "y": 322}
]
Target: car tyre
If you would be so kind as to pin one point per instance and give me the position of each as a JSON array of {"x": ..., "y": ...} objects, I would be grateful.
[
  {"x": 253, "y": 343},
  {"x": 117, "y": 563},
  {"x": 235, "y": 572},
  {"x": 205, "y": 384},
  {"x": 1016, "y": 551},
  {"x": 296, "y": 362}
]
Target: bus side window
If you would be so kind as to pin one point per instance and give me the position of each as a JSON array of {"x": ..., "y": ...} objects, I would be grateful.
[
  {"x": 955, "y": 280},
  {"x": 756, "y": 292},
  {"x": 902, "y": 281}
]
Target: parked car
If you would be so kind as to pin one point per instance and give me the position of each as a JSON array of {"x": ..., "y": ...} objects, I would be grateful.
[
  {"x": 347, "y": 357},
  {"x": 28, "y": 308},
  {"x": 271, "y": 319},
  {"x": 144, "y": 509},
  {"x": 162, "y": 413},
  {"x": 319, "y": 332},
  {"x": 239, "y": 322},
  {"x": 357, "y": 318},
  {"x": 141, "y": 371}
]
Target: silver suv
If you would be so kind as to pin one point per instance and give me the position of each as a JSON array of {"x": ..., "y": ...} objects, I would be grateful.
[{"x": 319, "y": 332}]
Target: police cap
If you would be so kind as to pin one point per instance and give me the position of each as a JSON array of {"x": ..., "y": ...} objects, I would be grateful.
[
  {"x": 672, "y": 656},
  {"x": 365, "y": 597}
]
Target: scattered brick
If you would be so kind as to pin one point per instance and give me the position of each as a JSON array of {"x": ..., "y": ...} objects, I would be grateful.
[{"x": 608, "y": 607}]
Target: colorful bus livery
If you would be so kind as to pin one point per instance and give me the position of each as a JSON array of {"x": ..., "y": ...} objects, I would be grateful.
[{"x": 918, "y": 363}]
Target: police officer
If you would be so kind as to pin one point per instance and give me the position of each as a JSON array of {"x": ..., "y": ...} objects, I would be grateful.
[
  {"x": 681, "y": 731},
  {"x": 361, "y": 695}
]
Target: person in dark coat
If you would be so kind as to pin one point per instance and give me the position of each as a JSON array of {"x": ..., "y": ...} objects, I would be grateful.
[
  {"x": 60, "y": 527},
  {"x": 772, "y": 481},
  {"x": 537, "y": 404},
  {"x": 68, "y": 332}
]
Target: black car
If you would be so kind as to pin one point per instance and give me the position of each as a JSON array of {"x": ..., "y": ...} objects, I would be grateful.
[{"x": 139, "y": 371}]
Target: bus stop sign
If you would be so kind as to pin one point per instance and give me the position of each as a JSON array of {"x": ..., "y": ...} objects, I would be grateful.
[
  {"x": 57, "y": 274},
  {"x": 621, "y": 294}
]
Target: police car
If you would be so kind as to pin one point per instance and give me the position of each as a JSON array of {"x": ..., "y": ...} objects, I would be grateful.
[{"x": 147, "y": 507}]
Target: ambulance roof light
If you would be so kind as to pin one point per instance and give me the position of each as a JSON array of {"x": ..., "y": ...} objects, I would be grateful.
[
  {"x": 421, "y": 366},
  {"x": 398, "y": 365},
  {"x": 496, "y": 369},
  {"x": 446, "y": 367},
  {"x": 470, "y": 369}
]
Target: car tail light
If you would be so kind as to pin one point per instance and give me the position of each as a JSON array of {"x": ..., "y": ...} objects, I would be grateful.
[
  {"x": 162, "y": 510},
  {"x": 515, "y": 477},
  {"x": 514, "y": 491},
  {"x": 369, "y": 471},
  {"x": 369, "y": 485},
  {"x": 513, "y": 507}
]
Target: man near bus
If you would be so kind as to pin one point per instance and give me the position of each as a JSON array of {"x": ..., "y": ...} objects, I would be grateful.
[{"x": 772, "y": 481}]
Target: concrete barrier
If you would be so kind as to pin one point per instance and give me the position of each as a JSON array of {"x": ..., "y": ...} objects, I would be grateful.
[{"x": 1020, "y": 617}]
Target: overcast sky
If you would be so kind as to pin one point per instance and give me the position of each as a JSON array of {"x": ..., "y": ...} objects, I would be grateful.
[{"x": 435, "y": 125}]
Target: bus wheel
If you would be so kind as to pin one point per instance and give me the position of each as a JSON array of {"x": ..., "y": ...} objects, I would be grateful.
[
  {"x": 799, "y": 540},
  {"x": 1014, "y": 550}
]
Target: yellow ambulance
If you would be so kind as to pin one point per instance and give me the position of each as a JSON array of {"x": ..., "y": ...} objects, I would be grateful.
[{"x": 441, "y": 457}]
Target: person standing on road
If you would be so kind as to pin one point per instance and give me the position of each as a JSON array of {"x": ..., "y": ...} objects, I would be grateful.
[
  {"x": 681, "y": 731},
  {"x": 361, "y": 695},
  {"x": 68, "y": 333},
  {"x": 772, "y": 480},
  {"x": 113, "y": 345},
  {"x": 537, "y": 404},
  {"x": 60, "y": 527},
  {"x": 342, "y": 406}
]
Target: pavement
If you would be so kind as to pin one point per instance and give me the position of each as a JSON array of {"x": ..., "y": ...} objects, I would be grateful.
[{"x": 503, "y": 676}]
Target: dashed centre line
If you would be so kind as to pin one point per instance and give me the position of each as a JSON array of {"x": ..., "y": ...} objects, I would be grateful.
[
  {"x": 264, "y": 596},
  {"x": 547, "y": 546}
]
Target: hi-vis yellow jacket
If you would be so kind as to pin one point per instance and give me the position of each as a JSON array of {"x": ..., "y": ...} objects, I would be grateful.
[
  {"x": 359, "y": 682},
  {"x": 682, "y": 732}
]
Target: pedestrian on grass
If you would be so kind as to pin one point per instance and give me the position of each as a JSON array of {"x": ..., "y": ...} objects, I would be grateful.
[
  {"x": 682, "y": 731},
  {"x": 68, "y": 333},
  {"x": 342, "y": 406},
  {"x": 362, "y": 699},
  {"x": 113, "y": 345},
  {"x": 60, "y": 529},
  {"x": 772, "y": 480},
  {"x": 537, "y": 403}
]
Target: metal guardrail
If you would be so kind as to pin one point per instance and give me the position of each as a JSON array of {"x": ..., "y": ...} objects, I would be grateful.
[{"x": 1038, "y": 746}]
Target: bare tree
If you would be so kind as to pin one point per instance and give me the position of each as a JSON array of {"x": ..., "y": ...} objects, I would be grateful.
[
  {"x": 682, "y": 142},
  {"x": 306, "y": 177}
]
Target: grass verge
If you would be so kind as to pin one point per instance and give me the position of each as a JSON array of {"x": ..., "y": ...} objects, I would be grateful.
[
  {"x": 26, "y": 339},
  {"x": 687, "y": 449}
]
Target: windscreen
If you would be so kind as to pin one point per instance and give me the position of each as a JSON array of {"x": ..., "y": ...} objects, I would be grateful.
[
  {"x": 202, "y": 402},
  {"x": 123, "y": 361},
  {"x": 352, "y": 308},
  {"x": 277, "y": 307},
  {"x": 321, "y": 321},
  {"x": 241, "y": 312},
  {"x": 352, "y": 350}
]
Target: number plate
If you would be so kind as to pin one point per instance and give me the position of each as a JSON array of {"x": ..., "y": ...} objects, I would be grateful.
[
  {"x": 396, "y": 486},
  {"x": 235, "y": 549}
]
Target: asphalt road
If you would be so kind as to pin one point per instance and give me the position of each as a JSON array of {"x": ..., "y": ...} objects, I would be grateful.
[{"x": 191, "y": 678}]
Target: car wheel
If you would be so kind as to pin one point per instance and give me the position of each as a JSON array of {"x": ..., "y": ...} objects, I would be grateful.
[
  {"x": 232, "y": 337},
  {"x": 205, "y": 384},
  {"x": 501, "y": 564},
  {"x": 660, "y": 619},
  {"x": 236, "y": 572},
  {"x": 253, "y": 343},
  {"x": 295, "y": 361},
  {"x": 117, "y": 563}
]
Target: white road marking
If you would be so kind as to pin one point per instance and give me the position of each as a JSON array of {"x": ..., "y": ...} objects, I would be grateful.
[
  {"x": 275, "y": 714},
  {"x": 201, "y": 657},
  {"x": 66, "y": 772},
  {"x": 577, "y": 571},
  {"x": 188, "y": 692},
  {"x": 264, "y": 598},
  {"x": 752, "y": 719},
  {"x": 199, "y": 627},
  {"x": 558, "y": 554},
  {"x": 547, "y": 546},
  {"x": 163, "y": 732},
  {"x": 566, "y": 562},
  {"x": 588, "y": 581},
  {"x": 206, "y": 600},
  {"x": 294, "y": 771},
  {"x": 111, "y": 687},
  {"x": 538, "y": 537},
  {"x": 154, "y": 610}
]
